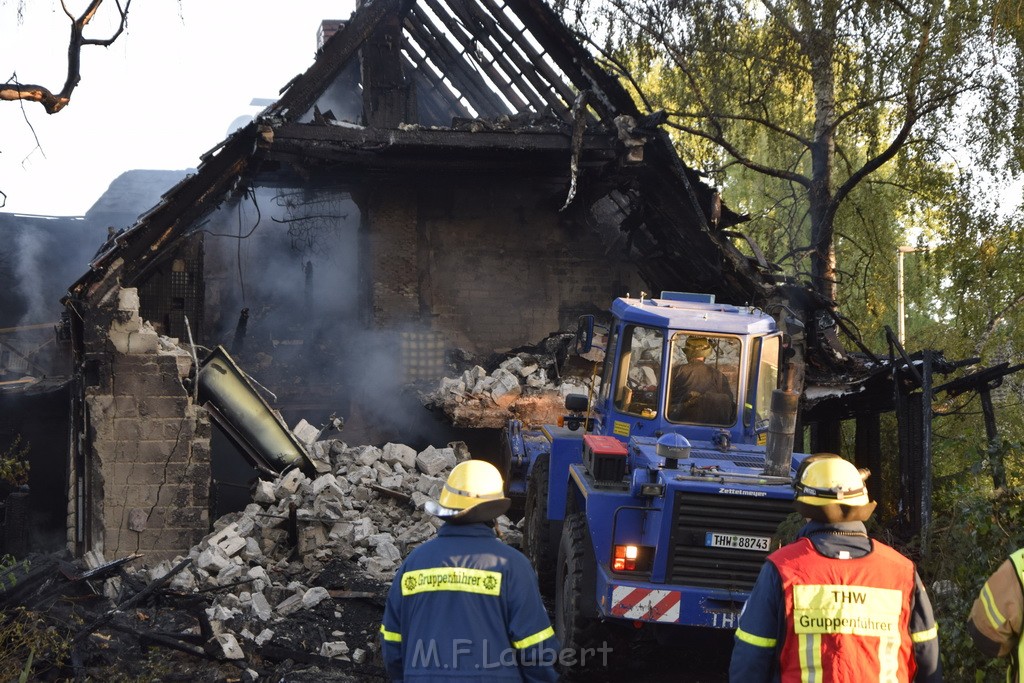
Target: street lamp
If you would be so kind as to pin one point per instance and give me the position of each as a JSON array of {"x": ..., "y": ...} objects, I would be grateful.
[{"x": 901, "y": 325}]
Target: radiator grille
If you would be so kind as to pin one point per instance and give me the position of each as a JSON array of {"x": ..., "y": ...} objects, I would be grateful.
[{"x": 695, "y": 514}]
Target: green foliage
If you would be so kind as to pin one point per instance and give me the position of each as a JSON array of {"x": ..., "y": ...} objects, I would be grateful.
[
  {"x": 972, "y": 535},
  {"x": 829, "y": 124},
  {"x": 27, "y": 637},
  {"x": 14, "y": 463},
  {"x": 7, "y": 577}
]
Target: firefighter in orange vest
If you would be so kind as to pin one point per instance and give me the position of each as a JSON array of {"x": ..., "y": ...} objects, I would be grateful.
[
  {"x": 996, "y": 618},
  {"x": 836, "y": 606}
]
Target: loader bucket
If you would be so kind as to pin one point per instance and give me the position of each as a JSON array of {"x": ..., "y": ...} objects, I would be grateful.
[{"x": 247, "y": 418}]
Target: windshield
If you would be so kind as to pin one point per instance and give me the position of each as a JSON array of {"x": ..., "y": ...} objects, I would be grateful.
[
  {"x": 703, "y": 379},
  {"x": 639, "y": 377}
]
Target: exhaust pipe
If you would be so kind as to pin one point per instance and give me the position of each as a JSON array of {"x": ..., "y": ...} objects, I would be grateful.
[{"x": 781, "y": 433}]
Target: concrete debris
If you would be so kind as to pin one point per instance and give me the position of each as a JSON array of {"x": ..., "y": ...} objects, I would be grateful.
[
  {"x": 261, "y": 566},
  {"x": 521, "y": 387}
]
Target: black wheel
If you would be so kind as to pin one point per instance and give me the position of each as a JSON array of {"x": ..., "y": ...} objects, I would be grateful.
[
  {"x": 579, "y": 633},
  {"x": 537, "y": 528}
]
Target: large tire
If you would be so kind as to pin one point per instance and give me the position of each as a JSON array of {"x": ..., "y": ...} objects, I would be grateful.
[
  {"x": 537, "y": 528},
  {"x": 577, "y": 631}
]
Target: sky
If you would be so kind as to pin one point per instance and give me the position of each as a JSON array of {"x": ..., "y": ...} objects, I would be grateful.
[{"x": 166, "y": 92}]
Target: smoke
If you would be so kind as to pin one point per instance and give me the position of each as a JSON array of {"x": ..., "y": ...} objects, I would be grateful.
[
  {"x": 30, "y": 284},
  {"x": 39, "y": 259},
  {"x": 292, "y": 258}
]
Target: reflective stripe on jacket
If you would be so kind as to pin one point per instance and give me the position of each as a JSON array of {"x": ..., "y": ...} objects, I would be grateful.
[
  {"x": 466, "y": 607},
  {"x": 846, "y": 620},
  {"x": 1013, "y": 671}
]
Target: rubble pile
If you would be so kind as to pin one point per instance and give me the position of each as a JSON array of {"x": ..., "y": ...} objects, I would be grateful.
[
  {"x": 521, "y": 387},
  {"x": 319, "y": 550},
  {"x": 295, "y": 583}
]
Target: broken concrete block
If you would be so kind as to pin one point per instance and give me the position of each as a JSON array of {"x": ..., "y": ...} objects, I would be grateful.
[
  {"x": 418, "y": 499},
  {"x": 426, "y": 483},
  {"x": 377, "y": 565},
  {"x": 513, "y": 365},
  {"x": 305, "y": 432},
  {"x": 433, "y": 461},
  {"x": 367, "y": 455},
  {"x": 94, "y": 559},
  {"x": 397, "y": 452},
  {"x": 528, "y": 370},
  {"x": 128, "y": 302},
  {"x": 311, "y": 537},
  {"x": 485, "y": 386},
  {"x": 213, "y": 559},
  {"x": 229, "y": 646},
  {"x": 394, "y": 482},
  {"x": 252, "y": 551},
  {"x": 228, "y": 539},
  {"x": 389, "y": 551},
  {"x": 342, "y": 531},
  {"x": 506, "y": 385},
  {"x": 260, "y": 607},
  {"x": 183, "y": 581},
  {"x": 327, "y": 485},
  {"x": 289, "y": 483},
  {"x": 264, "y": 492},
  {"x": 374, "y": 540},
  {"x": 290, "y": 605},
  {"x": 362, "y": 529},
  {"x": 537, "y": 379},
  {"x": 461, "y": 450},
  {"x": 314, "y": 596},
  {"x": 360, "y": 474},
  {"x": 336, "y": 648},
  {"x": 359, "y": 655},
  {"x": 417, "y": 533},
  {"x": 264, "y": 635}
]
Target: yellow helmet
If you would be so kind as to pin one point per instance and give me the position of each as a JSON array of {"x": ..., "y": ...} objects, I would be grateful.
[
  {"x": 696, "y": 347},
  {"x": 827, "y": 479},
  {"x": 474, "y": 492}
]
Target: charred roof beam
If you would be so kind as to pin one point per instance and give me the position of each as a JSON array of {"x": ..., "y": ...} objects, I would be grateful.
[
  {"x": 506, "y": 56},
  {"x": 571, "y": 57},
  {"x": 423, "y": 68},
  {"x": 339, "y": 50},
  {"x": 432, "y": 40},
  {"x": 519, "y": 98},
  {"x": 534, "y": 58}
]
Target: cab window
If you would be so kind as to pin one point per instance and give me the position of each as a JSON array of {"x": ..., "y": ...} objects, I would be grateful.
[
  {"x": 638, "y": 383},
  {"x": 703, "y": 379},
  {"x": 609, "y": 364},
  {"x": 765, "y": 356}
]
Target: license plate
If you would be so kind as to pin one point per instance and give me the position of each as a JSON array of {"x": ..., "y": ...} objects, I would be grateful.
[{"x": 737, "y": 541}]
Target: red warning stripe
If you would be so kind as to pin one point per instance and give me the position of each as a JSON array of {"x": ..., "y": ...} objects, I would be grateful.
[{"x": 630, "y": 601}]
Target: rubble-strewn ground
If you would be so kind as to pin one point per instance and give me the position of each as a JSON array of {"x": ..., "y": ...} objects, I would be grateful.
[{"x": 291, "y": 588}]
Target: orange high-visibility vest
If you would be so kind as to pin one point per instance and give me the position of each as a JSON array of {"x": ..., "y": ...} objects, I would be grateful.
[{"x": 847, "y": 621}]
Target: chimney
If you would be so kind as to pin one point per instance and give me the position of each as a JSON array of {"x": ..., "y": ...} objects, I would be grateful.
[{"x": 328, "y": 27}]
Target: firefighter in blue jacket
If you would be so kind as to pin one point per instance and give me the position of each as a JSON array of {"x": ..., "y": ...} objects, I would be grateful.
[
  {"x": 465, "y": 606},
  {"x": 836, "y": 606}
]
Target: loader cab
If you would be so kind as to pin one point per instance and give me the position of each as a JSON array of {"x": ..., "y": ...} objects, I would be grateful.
[{"x": 682, "y": 363}]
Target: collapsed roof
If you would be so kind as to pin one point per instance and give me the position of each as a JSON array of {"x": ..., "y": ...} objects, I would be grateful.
[{"x": 493, "y": 85}]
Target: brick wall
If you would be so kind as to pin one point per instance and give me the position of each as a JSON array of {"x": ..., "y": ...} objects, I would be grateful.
[
  {"x": 490, "y": 264},
  {"x": 149, "y": 463}
]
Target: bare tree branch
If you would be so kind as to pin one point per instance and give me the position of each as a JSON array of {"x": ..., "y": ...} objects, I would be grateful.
[{"x": 53, "y": 103}]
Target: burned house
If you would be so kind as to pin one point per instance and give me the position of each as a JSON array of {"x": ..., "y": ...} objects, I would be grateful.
[{"x": 448, "y": 177}]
